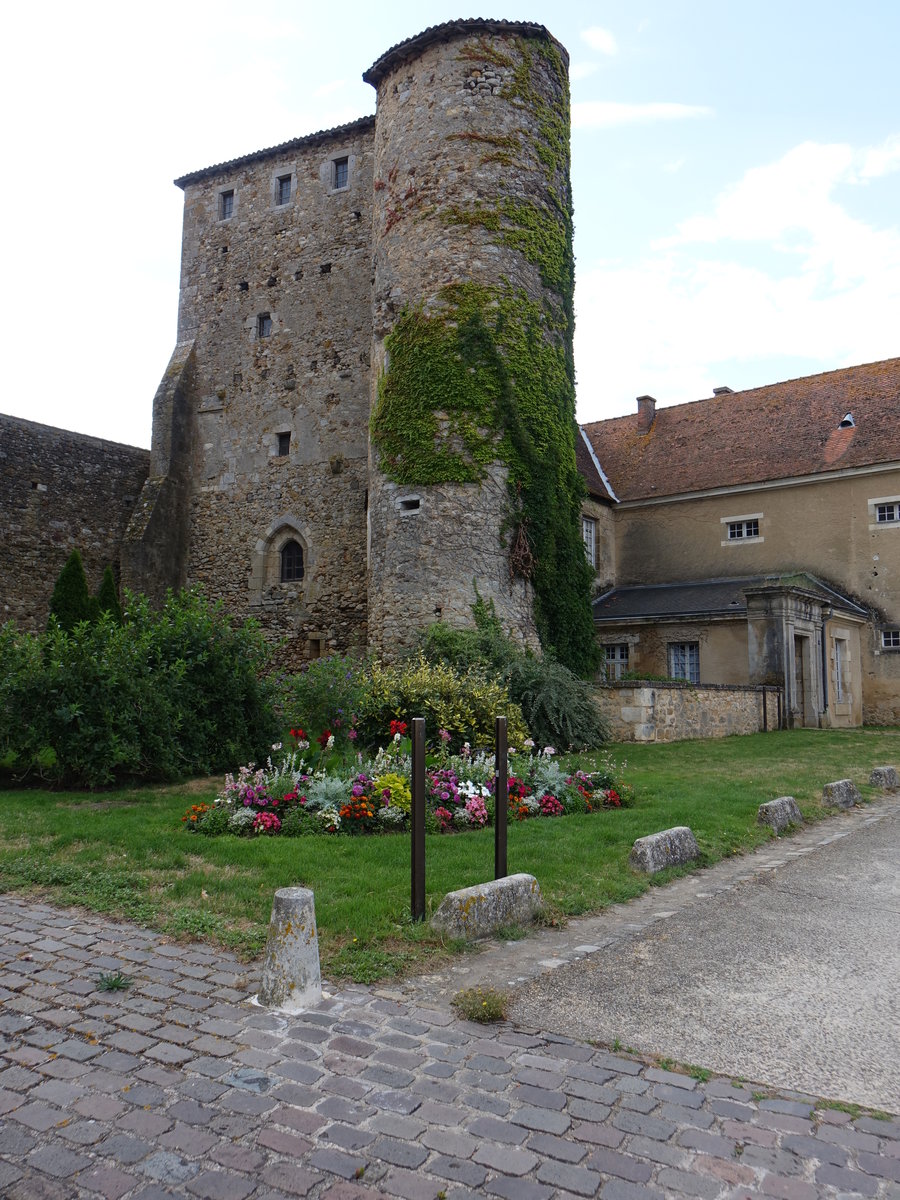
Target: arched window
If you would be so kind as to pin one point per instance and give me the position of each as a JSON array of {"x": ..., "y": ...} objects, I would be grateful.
[{"x": 291, "y": 562}]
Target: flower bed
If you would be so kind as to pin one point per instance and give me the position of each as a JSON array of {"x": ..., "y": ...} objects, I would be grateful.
[{"x": 304, "y": 790}]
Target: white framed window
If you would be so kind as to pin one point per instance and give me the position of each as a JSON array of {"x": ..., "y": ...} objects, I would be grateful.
[
  {"x": 884, "y": 512},
  {"x": 743, "y": 529},
  {"x": 684, "y": 661},
  {"x": 890, "y": 639},
  {"x": 589, "y": 537},
  {"x": 617, "y": 658}
]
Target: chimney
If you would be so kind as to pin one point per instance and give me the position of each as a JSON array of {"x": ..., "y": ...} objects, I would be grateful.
[
  {"x": 646, "y": 413},
  {"x": 723, "y": 391}
]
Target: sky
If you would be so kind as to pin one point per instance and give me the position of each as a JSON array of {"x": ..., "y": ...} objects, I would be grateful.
[{"x": 735, "y": 169}]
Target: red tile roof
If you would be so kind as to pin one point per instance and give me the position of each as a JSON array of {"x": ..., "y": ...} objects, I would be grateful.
[{"x": 767, "y": 433}]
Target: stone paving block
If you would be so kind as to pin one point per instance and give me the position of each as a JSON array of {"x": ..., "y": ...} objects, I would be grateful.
[
  {"x": 125, "y": 1149},
  {"x": 336, "y": 1162},
  {"x": 167, "y": 1167},
  {"x": 788, "y": 1189},
  {"x": 458, "y": 1170},
  {"x": 58, "y": 1161},
  {"x": 38, "y": 1116},
  {"x": 573, "y": 1179},
  {"x": 622, "y": 1166},
  {"x": 219, "y": 1185},
  {"x": 620, "y": 1189},
  {"x": 541, "y": 1120},
  {"x": 510, "y": 1160},
  {"x": 846, "y": 1180},
  {"x": 452, "y": 1142},
  {"x": 518, "y": 1189},
  {"x": 188, "y": 1139},
  {"x": 110, "y": 1182}
]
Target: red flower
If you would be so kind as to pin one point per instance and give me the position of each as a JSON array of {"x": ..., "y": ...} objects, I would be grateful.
[
  {"x": 323, "y": 737},
  {"x": 398, "y": 727},
  {"x": 298, "y": 734}
]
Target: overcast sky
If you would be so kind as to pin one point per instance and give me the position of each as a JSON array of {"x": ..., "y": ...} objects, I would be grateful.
[{"x": 736, "y": 174}]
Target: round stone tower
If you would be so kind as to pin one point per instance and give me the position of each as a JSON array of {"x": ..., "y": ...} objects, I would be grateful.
[{"x": 472, "y": 471}]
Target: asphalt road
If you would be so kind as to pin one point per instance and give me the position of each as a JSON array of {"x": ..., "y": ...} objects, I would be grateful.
[{"x": 791, "y": 977}]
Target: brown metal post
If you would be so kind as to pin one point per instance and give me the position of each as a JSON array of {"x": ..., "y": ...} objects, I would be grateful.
[
  {"x": 501, "y": 797},
  {"x": 417, "y": 817}
]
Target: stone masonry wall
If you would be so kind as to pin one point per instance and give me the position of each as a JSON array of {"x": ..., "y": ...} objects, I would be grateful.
[
  {"x": 277, "y": 300},
  {"x": 644, "y": 712},
  {"x": 444, "y": 116},
  {"x": 59, "y": 492}
]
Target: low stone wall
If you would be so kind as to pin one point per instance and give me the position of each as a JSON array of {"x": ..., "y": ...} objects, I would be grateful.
[{"x": 674, "y": 712}]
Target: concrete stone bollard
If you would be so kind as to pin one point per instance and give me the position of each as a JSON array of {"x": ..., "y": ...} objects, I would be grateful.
[
  {"x": 291, "y": 980},
  {"x": 670, "y": 848},
  {"x": 843, "y": 793},
  {"x": 885, "y": 778},
  {"x": 779, "y": 813},
  {"x": 479, "y": 911}
]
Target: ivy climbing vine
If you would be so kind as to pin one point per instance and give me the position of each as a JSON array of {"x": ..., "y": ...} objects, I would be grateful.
[{"x": 488, "y": 374}]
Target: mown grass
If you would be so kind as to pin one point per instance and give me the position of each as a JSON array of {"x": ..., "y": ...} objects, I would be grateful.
[{"x": 126, "y": 853}]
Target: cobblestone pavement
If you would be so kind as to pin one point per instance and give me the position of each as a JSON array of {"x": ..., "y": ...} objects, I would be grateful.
[{"x": 179, "y": 1087}]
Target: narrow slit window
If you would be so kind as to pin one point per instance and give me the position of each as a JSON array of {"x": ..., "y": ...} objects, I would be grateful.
[
  {"x": 340, "y": 172},
  {"x": 264, "y": 325},
  {"x": 291, "y": 562},
  {"x": 226, "y": 204},
  {"x": 283, "y": 189},
  {"x": 284, "y": 445}
]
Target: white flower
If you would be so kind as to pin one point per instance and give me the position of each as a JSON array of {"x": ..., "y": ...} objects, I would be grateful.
[
  {"x": 549, "y": 750},
  {"x": 329, "y": 745},
  {"x": 529, "y": 743},
  {"x": 396, "y": 737},
  {"x": 276, "y": 745}
]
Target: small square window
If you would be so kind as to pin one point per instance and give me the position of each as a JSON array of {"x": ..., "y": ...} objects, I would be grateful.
[
  {"x": 226, "y": 204},
  {"x": 890, "y": 639},
  {"x": 264, "y": 325},
  {"x": 737, "y": 530},
  {"x": 284, "y": 445},
  {"x": 340, "y": 172},
  {"x": 283, "y": 189},
  {"x": 886, "y": 512}
]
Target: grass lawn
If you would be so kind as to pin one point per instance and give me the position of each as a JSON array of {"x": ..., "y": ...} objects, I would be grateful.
[{"x": 126, "y": 853}]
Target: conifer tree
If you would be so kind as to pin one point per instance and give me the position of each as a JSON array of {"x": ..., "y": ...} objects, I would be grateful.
[
  {"x": 71, "y": 600},
  {"x": 108, "y": 597}
]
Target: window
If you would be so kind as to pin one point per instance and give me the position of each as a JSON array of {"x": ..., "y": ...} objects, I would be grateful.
[
  {"x": 890, "y": 639},
  {"x": 684, "y": 661},
  {"x": 264, "y": 325},
  {"x": 226, "y": 204},
  {"x": 283, "y": 189},
  {"x": 588, "y": 536},
  {"x": 340, "y": 172},
  {"x": 742, "y": 529},
  {"x": 884, "y": 512},
  {"x": 284, "y": 445},
  {"x": 840, "y": 668},
  {"x": 291, "y": 562},
  {"x": 616, "y": 660}
]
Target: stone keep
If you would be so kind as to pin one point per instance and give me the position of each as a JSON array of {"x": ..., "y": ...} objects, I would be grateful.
[{"x": 374, "y": 335}]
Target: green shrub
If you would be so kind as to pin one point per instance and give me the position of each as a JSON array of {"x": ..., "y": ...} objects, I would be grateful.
[
  {"x": 71, "y": 600},
  {"x": 558, "y": 707},
  {"x": 463, "y": 703},
  {"x": 325, "y": 695},
  {"x": 108, "y": 597},
  {"x": 163, "y": 695}
]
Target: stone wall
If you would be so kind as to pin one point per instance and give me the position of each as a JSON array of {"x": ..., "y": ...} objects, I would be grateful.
[
  {"x": 59, "y": 492},
  {"x": 673, "y": 712},
  {"x": 447, "y": 117},
  {"x": 276, "y": 299}
]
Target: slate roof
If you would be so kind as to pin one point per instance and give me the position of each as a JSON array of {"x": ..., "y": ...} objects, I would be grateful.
[
  {"x": 781, "y": 431},
  {"x": 308, "y": 139},
  {"x": 412, "y": 46},
  {"x": 706, "y": 598}
]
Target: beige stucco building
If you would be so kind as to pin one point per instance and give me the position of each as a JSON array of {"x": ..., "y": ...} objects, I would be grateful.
[{"x": 754, "y": 537}]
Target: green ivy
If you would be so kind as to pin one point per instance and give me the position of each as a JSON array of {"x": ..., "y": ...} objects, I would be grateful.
[{"x": 488, "y": 376}]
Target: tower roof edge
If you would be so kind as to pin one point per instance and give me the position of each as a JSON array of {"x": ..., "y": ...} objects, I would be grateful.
[{"x": 448, "y": 29}]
